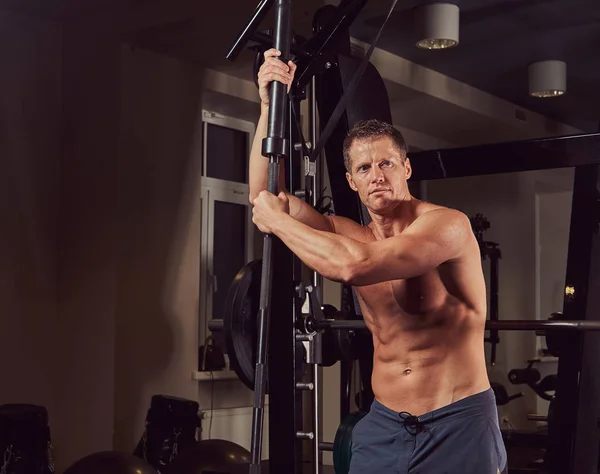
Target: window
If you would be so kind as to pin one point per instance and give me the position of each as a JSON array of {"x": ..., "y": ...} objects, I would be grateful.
[
  {"x": 228, "y": 241},
  {"x": 227, "y": 143}
]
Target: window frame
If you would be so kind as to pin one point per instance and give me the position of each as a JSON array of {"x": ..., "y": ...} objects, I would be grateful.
[{"x": 211, "y": 191}]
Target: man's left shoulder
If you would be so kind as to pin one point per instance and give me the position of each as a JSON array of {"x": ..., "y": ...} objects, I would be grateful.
[
  {"x": 441, "y": 216},
  {"x": 448, "y": 228}
]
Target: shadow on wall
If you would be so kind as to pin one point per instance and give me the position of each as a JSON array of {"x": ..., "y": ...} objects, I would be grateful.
[{"x": 156, "y": 324}]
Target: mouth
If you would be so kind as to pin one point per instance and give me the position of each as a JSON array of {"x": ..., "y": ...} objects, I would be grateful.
[{"x": 379, "y": 191}]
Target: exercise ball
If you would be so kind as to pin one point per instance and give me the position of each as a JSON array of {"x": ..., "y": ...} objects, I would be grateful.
[
  {"x": 210, "y": 455},
  {"x": 111, "y": 462}
]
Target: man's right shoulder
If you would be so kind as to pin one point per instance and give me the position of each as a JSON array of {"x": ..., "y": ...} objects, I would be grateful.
[{"x": 348, "y": 228}]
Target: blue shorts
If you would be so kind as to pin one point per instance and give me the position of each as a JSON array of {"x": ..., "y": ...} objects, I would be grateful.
[{"x": 461, "y": 438}]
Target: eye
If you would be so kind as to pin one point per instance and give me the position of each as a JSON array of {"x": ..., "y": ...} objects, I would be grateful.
[
  {"x": 363, "y": 168},
  {"x": 387, "y": 163}
]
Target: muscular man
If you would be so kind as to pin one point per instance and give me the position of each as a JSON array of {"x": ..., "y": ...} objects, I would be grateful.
[{"x": 417, "y": 272}]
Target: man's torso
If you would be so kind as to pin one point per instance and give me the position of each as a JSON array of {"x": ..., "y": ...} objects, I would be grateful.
[{"x": 427, "y": 333}]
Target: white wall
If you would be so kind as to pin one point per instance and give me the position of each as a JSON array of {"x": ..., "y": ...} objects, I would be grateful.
[{"x": 508, "y": 201}]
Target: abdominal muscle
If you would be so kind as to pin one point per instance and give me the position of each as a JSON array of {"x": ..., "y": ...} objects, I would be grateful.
[{"x": 419, "y": 368}]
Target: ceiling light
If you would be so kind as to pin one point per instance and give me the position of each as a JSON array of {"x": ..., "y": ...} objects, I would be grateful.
[
  {"x": 547, "y": 79},
  {"x": 437, "y": 26}
]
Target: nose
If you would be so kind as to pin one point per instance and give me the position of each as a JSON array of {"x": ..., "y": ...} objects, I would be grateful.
[{"x": 376, "y": 174}]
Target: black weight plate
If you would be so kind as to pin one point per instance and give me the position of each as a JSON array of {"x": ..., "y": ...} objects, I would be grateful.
[
  {"x": 336, "y": 343},
  {"x": 240, "y": 325},
  {"x": 342, "y": 445},
  {"x": 343, "y": 340},
  {"x": 240, "y": 321}
]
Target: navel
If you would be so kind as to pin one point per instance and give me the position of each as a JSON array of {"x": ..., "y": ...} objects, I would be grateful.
[{"x": 407, "y": 371}]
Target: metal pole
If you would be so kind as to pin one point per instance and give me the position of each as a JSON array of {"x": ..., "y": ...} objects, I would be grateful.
[
  {"x": 325, "y": 446},
  {"x": 317, "y": 181},
  {"x": 261, "y": 11},
  {"x": 316, "y": 420},
  {"x": 274, "y": 146},
  {"x": 503, "y": 325},
  {"x": 317, "y": 280}
]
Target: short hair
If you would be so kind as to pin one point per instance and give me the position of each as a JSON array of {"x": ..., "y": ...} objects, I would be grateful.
[{"x": 372, "y": 130}]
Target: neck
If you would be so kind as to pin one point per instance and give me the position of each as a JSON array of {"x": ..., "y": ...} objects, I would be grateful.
[{"x": 393, "y": 223}]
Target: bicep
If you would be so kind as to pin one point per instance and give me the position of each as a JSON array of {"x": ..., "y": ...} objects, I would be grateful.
[
  {"x": 419, "y": 249},
  {"x": 403, "y": 257}
]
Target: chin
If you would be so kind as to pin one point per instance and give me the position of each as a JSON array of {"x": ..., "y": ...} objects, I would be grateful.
[{"x": 380, "y": 208}]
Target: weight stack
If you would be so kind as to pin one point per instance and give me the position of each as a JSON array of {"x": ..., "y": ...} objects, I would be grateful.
[
  {"x": 25, "y": 442},
  {"x": 171, "y": 428}
]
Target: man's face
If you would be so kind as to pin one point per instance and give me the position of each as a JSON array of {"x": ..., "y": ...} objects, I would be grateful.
[{"x": 378, "y": 173}]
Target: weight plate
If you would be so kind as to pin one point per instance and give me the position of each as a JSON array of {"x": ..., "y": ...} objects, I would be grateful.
[
  {"x": 240, "y": 321},
  {"x": 342, "y": 445},
  {"x": 343, "y": 340},
  {"x": 240, "y": 325}
]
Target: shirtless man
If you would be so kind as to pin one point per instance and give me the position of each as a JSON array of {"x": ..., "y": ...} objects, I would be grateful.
[{"x": 417, "y": 272}]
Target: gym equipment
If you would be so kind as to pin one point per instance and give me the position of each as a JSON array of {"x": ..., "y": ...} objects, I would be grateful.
[
  {"x": 489, "y": 250},
  {"x": 336, "y": 345},
  {"x": 553, "y": 431},
  {"x": 503, "y": 325},
  {"x": 210, "y": 356},
  {"x": 274, "y": 146},
  {"x": 25, "y": 441},
  {"x": 111, "y": 462},
  {"x": 211, "y": 456},
  {"x": 533, "y": 379},
  {"x": 240, "y": 325},
  {"x": 337, "y": 325},
  {"x": 342, "y": 445},
  {"x": 172, "y": 426},
  {"x": 240, "y": 321},
  {"x": 502, "y": 396},
  {"x": 553, "y": 338}
]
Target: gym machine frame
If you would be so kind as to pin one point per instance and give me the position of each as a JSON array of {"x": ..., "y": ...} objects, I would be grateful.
[{"x": 578, "y": 441}]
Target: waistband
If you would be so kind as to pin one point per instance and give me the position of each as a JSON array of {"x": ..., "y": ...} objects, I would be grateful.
[{"x": 482, "y": 403}]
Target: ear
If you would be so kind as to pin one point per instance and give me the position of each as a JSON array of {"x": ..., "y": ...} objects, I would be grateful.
[
  {"x": 408, "y": 168},
  {"x": 351, "y": 181}
]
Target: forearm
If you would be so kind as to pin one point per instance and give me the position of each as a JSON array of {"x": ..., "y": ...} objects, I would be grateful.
[
  {"x": 334, "y": 256},
  {"x": 259, "y": 165}
]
